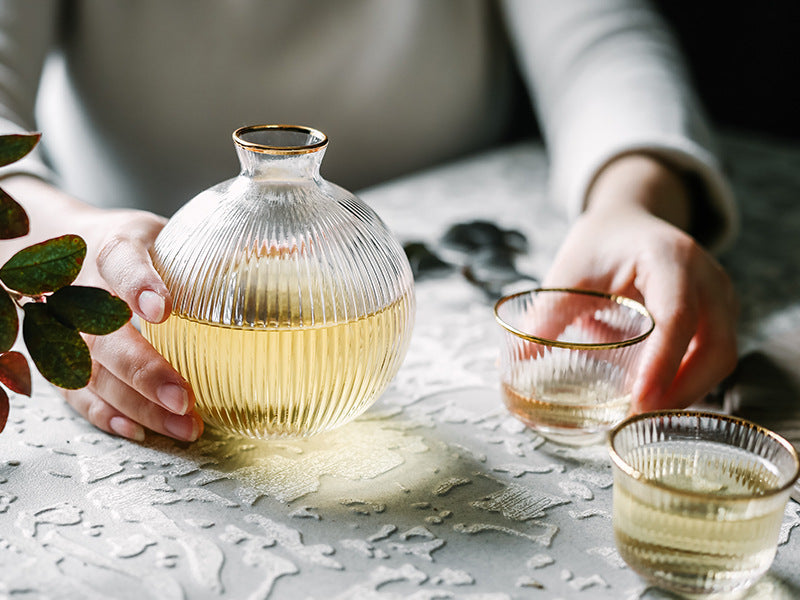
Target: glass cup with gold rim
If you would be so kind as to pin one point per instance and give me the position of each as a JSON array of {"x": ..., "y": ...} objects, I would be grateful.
[
  {"x": 699, "y": 499},
  {"x": 569, "y": 359}
]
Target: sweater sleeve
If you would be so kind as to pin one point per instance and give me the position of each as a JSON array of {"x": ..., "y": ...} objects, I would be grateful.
[
  {"x": 27, "y": 32},
  {"x": 608, "y": 79}
]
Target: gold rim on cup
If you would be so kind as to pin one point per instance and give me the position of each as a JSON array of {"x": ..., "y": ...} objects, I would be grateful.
[
  {"x": 624, "y": 301},
  {"x": 698, "y": 414}
]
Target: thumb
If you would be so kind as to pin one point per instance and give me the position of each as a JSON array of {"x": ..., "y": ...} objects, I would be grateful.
[{"x": 124, "y": 263}]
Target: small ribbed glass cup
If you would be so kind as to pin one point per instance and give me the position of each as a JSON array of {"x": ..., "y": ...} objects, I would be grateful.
[
  {"x": 699, "y": 499},
  {"x": 569, "y": 360},
  {"x": 293, "y": 304}
]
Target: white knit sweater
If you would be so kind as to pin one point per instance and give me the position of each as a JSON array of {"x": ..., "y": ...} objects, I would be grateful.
[{"x": 138, "y": 99}]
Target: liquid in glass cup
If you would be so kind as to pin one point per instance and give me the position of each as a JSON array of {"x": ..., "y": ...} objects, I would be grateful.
[
  {"x": 569, "y": 360},
  {"x": 699, "y": 499}
]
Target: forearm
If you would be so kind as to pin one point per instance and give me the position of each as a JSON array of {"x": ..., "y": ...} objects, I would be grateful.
[
  {"x": 51, "y": 212},
  {"x": 609, "y": 82}
]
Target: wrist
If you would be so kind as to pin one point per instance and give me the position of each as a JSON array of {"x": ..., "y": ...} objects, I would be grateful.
[{"x": 640, "y": 182}]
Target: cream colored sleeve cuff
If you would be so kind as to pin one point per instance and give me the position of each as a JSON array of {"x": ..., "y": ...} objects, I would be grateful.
[
  {"x": 721, "y": 223},
  {"x": 607, "y": 79}
]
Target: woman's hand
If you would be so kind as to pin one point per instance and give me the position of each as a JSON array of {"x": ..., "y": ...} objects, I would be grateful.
[
  {"x": 132, "y": 386},
  {"x": 630, "y": 241}
]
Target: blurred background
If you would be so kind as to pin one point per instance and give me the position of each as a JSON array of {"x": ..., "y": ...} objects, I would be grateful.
[{"x": 745, "y": 59}]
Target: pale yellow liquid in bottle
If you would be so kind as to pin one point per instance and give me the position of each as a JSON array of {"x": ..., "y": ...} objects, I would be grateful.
[
  {"x": 285, "y": 381},
  {"x": 682, "y": 544}
]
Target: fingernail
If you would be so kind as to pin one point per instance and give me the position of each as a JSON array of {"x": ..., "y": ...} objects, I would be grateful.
[
  {"x": 173, "y": 397},
  {"x": 183, "y": 427},
  {"x": 126, "y": 428},
  {"x": 151, "y": 305}
]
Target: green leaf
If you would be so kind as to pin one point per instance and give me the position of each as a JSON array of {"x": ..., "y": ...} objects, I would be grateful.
[
  {"x": 15, "y": 373},
  {"x": 58, "y": 351},
  {"x": 9, "y": 321},
  {"x": 3, "y": 409},
  {"x": 89, "y": 309},
  {"x": 45, "y": 267},
  {"x": 13, "y": 218},
  {"x": 13, "y": 147}
]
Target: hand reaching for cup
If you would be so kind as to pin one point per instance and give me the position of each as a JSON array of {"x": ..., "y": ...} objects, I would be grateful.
[{"x": 629, "y": 241}]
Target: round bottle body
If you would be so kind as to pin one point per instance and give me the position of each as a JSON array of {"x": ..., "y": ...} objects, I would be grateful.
[{"x": 293, "y": 304}]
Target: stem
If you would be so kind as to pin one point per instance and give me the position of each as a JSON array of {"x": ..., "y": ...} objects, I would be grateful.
[{"x": 19, "y": 298}]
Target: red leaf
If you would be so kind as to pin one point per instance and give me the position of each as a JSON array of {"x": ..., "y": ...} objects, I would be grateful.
[
  {"x": 15, "y": 373},
  {"x": 3, "y": 409}
]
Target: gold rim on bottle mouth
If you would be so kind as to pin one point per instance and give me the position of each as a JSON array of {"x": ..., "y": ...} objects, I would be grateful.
[
  {"x": 282, "y": 150},
  {"x": 637, "y": 475},
  {"x": 628, "y": 302}
]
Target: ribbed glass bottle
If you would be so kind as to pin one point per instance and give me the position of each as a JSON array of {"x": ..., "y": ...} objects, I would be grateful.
[{"x": 293, "y": 304}]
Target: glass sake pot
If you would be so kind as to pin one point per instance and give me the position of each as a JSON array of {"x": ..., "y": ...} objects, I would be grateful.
[{"x": 293, "y": 304}]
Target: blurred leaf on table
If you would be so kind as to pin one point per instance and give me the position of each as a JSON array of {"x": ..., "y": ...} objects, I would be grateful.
[
  {"x": 476, "y": 235},
  {"x": 424, "y": 263}
]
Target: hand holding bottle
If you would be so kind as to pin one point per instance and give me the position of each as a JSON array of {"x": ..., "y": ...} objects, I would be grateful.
[{"x": 132, "y": 386}]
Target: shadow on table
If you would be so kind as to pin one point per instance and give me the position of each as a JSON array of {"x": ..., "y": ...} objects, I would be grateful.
[{"x": 763, "y": 262}]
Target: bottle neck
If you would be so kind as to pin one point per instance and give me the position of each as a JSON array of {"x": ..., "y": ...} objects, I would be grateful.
[{"x": 280, "y": 167}]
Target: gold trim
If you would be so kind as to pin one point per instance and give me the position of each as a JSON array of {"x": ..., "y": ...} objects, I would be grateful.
[
  {"x": 632, "y": 304},
  {"x": 639, "y": 476},
  {"x": 281, "y": 150}
]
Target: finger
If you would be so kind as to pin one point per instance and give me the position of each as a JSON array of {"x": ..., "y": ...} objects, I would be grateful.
[
  {"x": 711, "y": 357},
  {"x": 132, "y": 360},
  {"x": 545, "y": 315},
  {"x": 102, "y": 415},
  {"x": 125, "y": 264},
  {"x": 675, "y": 312},
  {"x": 568, "y": 271},
  {"x": 136, "y": 407}
]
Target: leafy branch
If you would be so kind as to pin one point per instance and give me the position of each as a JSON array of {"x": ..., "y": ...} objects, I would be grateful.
[{"x": 36, "y": 286}]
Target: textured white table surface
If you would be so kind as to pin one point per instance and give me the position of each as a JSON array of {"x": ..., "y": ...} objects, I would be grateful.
[{"x": 436, "y": 492}]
